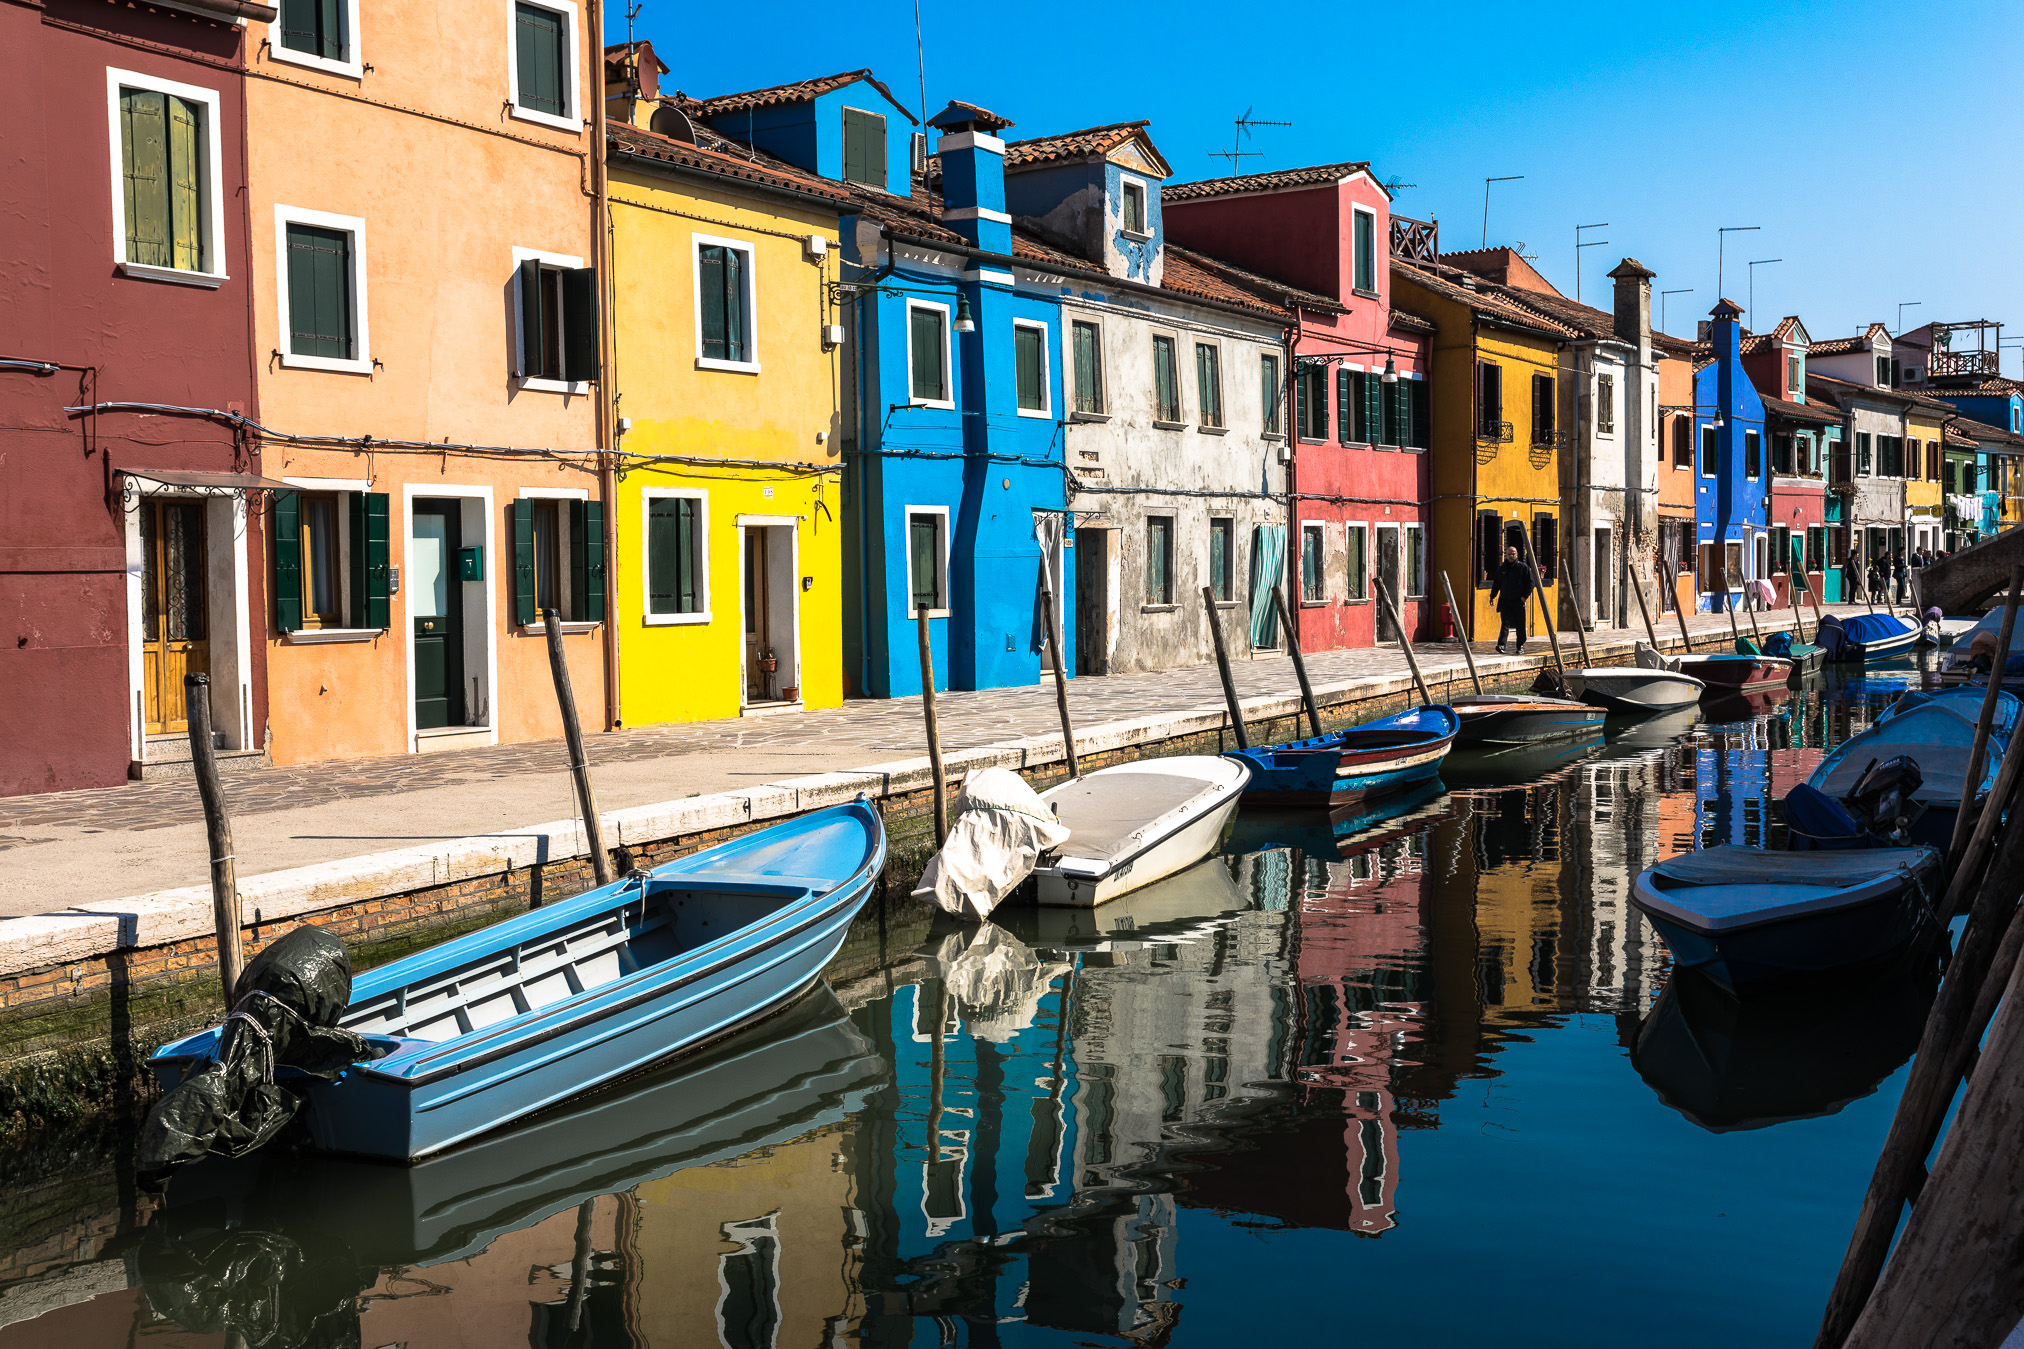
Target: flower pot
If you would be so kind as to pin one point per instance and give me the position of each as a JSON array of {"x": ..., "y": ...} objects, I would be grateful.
[
  {"x": 768, "y": 664},
  {"x": 791, "y": 693}
]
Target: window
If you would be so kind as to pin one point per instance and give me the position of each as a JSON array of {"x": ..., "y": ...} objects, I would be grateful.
[
  {"x": 1883, "y": 372},
  {"x": 1683, "y": 443},
  {"x": 1935, "y": 460},
  {"x": 1392, "y": 416},
  {"x": 1605, "y": 405},
  {"x": 1268, "y": 391},
  {"x": 1490, "y": 401},
  {"x": 1863, "y": 463},
  {"x": 1816, "y": 541},
  {"x": 1088, "y": 346},
  {"x": 1546, "y": 547},
  {"x": 1753, "y": 454},
  {"x": 1310, "y": 389},
  {"x": 1166, "y": 381},
  {"x": 1313, "y": 587},
  {"x": 322, "y": 563},
  {"x": 724, "y": 305},
  {"x": 1365, "y": 244},
  {"x": 1781, "y": 549},
  {"x": 1489, "y": 547},
  {"x": 1356, "y": 563},
  {"x": 556, "y": 299},
  {"x": 927, "y": 561},
  {"x": 166, "y": 192},
  {"x": 1781, "y": 452},
  {"x": 677, "y": 560},
  {"x": 558, "y": 559},
  {"x": 1792, "y": 378},
  {"x": 928, "y": 353},
  {"x": 543, "y": 81},
  {"x": 1134, "y": 207},
  {"x": 1209, "y": 384},
  {"x": 1349, "y": 411},
  {"x": 864, "y": 148},
  {"x": 1890, "y": 456},
  {"x": 321, "y": 297},
  {"x": 1542, "y": 409},
  {"x": 1415, "y": 561},
  {"x": 1159, "y": 559},
  {"x": 330, "y": 559},
  {"x": 1951, "y": 480},
  {"x": 1710, "y": 452},
  {"x": 1029, "y": 360},
  {"x": 317, "y": 33},
  {"x": 1222, "y": 555},
  {"x": 1420, "y": 427},
  {"x": 748, "y": 1306}
]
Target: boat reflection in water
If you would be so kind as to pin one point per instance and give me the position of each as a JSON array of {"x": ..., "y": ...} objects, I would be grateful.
[{"x": 1727, "y": 1064}]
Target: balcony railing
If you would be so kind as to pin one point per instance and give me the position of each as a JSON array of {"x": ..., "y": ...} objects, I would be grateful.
[
  {"x": 1499, "y": 432},
  {"x": 1952, "y": 364},
  {"x": 1415, "y": 240},
  {"x": 1550, "y": 440}
]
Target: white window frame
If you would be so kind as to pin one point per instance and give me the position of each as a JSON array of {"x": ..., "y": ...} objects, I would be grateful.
[
  {"x": 1046, "y": 408},
  {"x": 1408, "y": 554},
  {"x": 648, "y": 495},
  {"x": 284, "y": 216},
  {"x": 1348, "y": 527},
  {"x": 351, "y": 66},
  {"x": 571, "y": 121},
  {"x": 1375, "y": 287},
  {"x": 1125, "y": 183},
  {"x": 1299, "y": 562},
  {"x": 697, "y": 243},
  {"x": 1606, "y": 431},
  {"x": 577, "y": 387},
  {"x": 214, "y": 213},
  {"x": 948, "y": 359},
  {"x": 907, "y": 514}
]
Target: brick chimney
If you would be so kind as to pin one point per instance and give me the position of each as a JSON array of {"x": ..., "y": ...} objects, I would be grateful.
[{"x": 972, "y": 158}]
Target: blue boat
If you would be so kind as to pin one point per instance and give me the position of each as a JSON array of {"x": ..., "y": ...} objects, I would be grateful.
[
  {"x": 527, "y": 1013},
  {"x": 1861, "y": 638},
  {"x": 1937, "y": 732},
  {"x": 1750, "y": 919},
  {"x": 1345, "y": 767}
]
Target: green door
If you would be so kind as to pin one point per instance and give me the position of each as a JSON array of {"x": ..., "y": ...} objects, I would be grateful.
[{"x": 436, "y": 608}]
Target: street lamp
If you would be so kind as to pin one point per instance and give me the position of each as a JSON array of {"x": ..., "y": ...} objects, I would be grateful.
[
  {"x": 1578, "y": 246},
  {"x": 1721, "y": 242},
  {"x": 1507, "y": 178},
  {"x": 1750, "y": 312}
]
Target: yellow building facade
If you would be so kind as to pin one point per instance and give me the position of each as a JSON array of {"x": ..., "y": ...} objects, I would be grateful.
[
  {"x": 725, "y": 367},
  {"x": 1925, "y": 472},
  {"x": 1495, "y": 457}
]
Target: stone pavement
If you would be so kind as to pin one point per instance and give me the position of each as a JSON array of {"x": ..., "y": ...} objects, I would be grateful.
[{"x": 74, "y": 848}]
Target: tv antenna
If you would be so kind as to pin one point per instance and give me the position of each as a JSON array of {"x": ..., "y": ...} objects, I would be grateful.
[{"x": 1237, "y": 154}]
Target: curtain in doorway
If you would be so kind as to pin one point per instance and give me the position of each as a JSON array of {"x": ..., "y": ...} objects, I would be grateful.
[
  {"x": 1048, "y": 530},
  {"x": 1268, "y": 559}
]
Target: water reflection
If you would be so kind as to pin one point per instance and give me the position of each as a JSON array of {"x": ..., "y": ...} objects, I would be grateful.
[{"x": 1424, "y": 1056}]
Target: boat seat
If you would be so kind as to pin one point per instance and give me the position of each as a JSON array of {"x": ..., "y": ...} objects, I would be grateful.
[{"x": 1104, "y": 814}]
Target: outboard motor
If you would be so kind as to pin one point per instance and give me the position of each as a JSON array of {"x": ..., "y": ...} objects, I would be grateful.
[{"x": 1882, "y": 798}]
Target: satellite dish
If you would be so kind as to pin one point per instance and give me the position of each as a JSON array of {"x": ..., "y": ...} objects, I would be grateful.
[{"x": 670, "y": 121}]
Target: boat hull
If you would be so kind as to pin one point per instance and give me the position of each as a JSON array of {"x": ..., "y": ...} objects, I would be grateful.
[
  {"x": 1736, "y": 674},
  {"x": 1861, "y": 653},
  {"x": 1640, "y": 691},
  {"x": 1524, "y": 722},
  {"x": 1175, "y": 852},
  {"x": 1347, "y": 767}
]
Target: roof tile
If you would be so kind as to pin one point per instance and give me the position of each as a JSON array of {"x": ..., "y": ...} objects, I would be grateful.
[
  {"x": 799, "y": 91},
  {"x": 725, "y": 159},
  {"x": 1273, "y": 181}
]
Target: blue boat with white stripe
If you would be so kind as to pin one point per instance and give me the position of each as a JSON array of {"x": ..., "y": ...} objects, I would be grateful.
[
  {"x": 521, "y": 1015},
  {"x": 1345, "y": 767}
]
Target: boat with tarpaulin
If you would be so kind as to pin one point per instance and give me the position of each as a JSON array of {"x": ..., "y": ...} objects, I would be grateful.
[{"x": 1861, "y": 638}]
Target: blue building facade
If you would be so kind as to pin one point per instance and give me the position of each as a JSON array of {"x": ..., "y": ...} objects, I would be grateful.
[{"x": 1733, "y": 476}]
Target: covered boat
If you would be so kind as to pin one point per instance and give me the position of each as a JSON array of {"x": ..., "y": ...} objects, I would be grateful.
[
  {"x": 1521, "y": 718},
  {"x": 1935, "y": 731},
  {"x": 1751, "y": 919},
  {"x": 1860, "y": 638},
  {"x": 1641, "y": 689},
  {"x": 1722, "y": 672},
  {"x": 1343, "y": 767},
  {"x": 1136, "y": 823},
  {"x": 519, "y": 1016}
]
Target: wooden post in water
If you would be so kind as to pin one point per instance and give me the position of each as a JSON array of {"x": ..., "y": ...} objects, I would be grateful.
[
  {"x": 1679, "y": 609},
  {"x": 1729, "y": 607},
  {"x": 572, "y": 732},
  {"x": 1299, "y": 661},
  {"x": 1405, "y": 643},
  {"x": 1054, "y": 645},
  {"x": 1991, "y": 697},
  {"x": 934, "y": 733},
  {"x": 1223, "y": 669},
  {"x": 1467, "y": 654},
  {"x": 1574, "y": 585},
  {"x": 1539, "y": 592},
  {"x": 218, "y": 828},
  {"x": 1637, "y": 588},
  {"x": 1798, "y": 619}
]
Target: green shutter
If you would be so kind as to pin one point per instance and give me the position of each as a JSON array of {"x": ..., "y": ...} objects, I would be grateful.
[
  {"x": 864, "y": 150},
  {"x": 1300, "y": 403},
  {"x": 319, "y": 293},
  {"x": 579, "y": 324},
  {"x": 186, "y": 185},
  {"x": 331, "y": 37},
  {"x": 1088, "y": 390},
  {"x": 378, "y": 560},
  {"x": 1166, "y": 398},
  {"x": 1373, "y": 410},
  {"x": 929, "y": 377},
  {"x": 144, "y": 160},
  {"x": 540, "y": 43},
  {"x": 1422, "y": 423},
  {"x": 523, "y": 562},
  {"x": 1026, "y": 344},
  {"x": 287, "y": 546},
  {"x": 586, "y": 563},
  {"x": 710, "y": 285},
  {"x": 1345, "y": 395},
  {"x": 531, "y": 327}
]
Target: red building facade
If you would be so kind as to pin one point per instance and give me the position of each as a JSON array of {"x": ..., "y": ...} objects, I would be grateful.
[
  {"x": 1358, "y": 424},
  {"x": 127, "y": 532}
]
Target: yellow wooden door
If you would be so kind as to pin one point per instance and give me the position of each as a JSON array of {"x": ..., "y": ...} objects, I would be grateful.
[{"x": 174, "y": 628}]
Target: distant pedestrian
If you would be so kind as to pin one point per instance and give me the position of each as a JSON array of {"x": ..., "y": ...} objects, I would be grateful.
[
  {"x": 1851, "y": 577},
  {"x": 1510, "y": 588}
]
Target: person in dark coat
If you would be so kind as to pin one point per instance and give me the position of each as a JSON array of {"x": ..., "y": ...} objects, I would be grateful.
[{"x": 1510, "y": 588}]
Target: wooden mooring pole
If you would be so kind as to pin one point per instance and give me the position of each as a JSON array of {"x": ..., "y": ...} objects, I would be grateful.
[
  {"x": 1991, "y": 697},
  {"x": 934, "y": 733},
  {"x": 1405, "y": 642},
  {"x": 1644, "y": 610},
  {"x": 1467, "y": 654},
  {"x": 1299, "y": 662},
  {"x": 1054, "y": 646},
  {"x": 1729, "y": 607},
  {"x": 218, "y": 826},
  {"x": 1798, "y": 619},
  {"x": 1223, "y": 668},
  {"x": 1574, "y": 587},
  {"x": 1679, "y": 609},
  {"x": 572, "y": 732},
  {"x": 1539, "y": 591}
]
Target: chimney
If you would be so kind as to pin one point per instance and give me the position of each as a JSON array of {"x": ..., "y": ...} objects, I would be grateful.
[
  {"x": 1725, "y": 333},
  {"x": 972, "y": 159},
  {"x": 1633, "y": 300}
]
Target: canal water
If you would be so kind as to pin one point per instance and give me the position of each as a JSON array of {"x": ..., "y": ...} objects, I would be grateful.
[{"x": 1422, "y": 1077}]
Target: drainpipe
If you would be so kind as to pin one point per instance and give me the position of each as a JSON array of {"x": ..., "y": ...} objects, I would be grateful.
[
  {"x": 607, "y": 485},
  {"x": 1289, "y": 406}
]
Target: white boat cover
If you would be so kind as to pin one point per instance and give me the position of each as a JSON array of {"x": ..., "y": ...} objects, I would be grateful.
[
  {"x": 1937, "y": 732},
  {"x": 1108, "y": 812},
  {"x": 1000, "y": 829},
  {"x": 1729, "y": 887},
  {"x": 996, "y": 979}
]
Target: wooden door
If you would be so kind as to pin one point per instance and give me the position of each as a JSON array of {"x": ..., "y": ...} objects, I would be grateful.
[
  {"x": 175, "y": 631},
  {"x": 436, "y": 613},
  {"x": 1092, "y": 600},
  {"x": 757, "y": 618},
  {"x": 1388, "y": 572}
]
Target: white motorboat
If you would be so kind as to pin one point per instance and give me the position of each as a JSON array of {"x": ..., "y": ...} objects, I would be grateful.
[
  {"x": 1637, "y": 689},
  {"x": 1136, "y": 823}
]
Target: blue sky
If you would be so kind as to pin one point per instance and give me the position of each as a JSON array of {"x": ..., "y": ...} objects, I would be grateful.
[{"x": 1879, "y": 146}]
